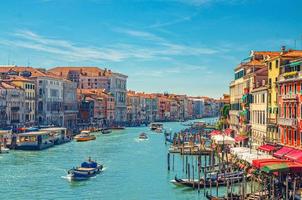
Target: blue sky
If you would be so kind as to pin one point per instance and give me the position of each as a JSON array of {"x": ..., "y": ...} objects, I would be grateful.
[{"x": 180, "y": 46}]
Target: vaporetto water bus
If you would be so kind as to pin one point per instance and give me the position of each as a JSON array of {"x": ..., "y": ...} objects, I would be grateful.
[
  {"x": 36, "y": 140},
  {"x": 59, "y": 134}
]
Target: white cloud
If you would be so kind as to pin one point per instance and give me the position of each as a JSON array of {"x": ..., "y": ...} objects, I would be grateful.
[{"x": 64, "y": 50}]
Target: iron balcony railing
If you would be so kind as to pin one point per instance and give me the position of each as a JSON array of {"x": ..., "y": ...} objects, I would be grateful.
[
  {"x": 290, "y": 96},
  {"x": 287, "y": 121}
]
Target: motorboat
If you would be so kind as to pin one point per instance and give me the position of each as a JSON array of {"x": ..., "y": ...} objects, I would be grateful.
[
  {"x": 143, "y": 136},
  {"x": 117, "y": 128},
  {"x": 4, "y": 149},
  {"x": 84, "y": 136},
  {"x": 85, "y": 171},
  {"x": 156, "y": 126},
  {"x": 158, "y": 130},
  {"x": 106, "y": 131}
]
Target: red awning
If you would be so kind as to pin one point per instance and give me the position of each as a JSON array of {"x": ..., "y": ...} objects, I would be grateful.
[
  {"x": 299, "y": 160},
  {"x": 240, "y": 138},
  {"x": 256, "y": 163},
  {"x": 294, "y": 155},
  {"x": 228, "y": 131},
  {"x": 267, "y": 148},
  {"x": 215, "y": 132},
  {"x": 281, "y": 152},
  {"x": 295, "y": 167}
]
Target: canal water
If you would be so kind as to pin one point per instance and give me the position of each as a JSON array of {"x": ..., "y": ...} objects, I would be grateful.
[{"x": 134, "y": 169}]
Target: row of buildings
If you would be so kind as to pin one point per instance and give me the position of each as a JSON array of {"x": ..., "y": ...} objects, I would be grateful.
[
  {"x": 62, "y": 96},
  {"x": 266, "y": 98},
  {"x": 76, "y": 97},
  {"x": 144, "y": 108}
]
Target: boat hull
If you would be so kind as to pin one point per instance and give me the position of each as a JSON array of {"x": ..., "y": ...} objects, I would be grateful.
[
  {"x": 201, "y": 183},
  {"x": 79, "y": 173},
  {"x": 85, "y": 139},
  {"x": 35, "y": 147}
]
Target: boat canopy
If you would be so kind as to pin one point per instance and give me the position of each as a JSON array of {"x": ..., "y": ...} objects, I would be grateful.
[
  {"x": 35, "y": 133},
  {"x": 89, "y": 164},
  {"x": 281, "y": 152},
  {"x": 267, "y": 148}
]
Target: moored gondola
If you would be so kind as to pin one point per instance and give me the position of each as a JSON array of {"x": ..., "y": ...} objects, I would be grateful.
[
  {"x": 208, "y": 183},
  {"x": 230, "y": 196}
]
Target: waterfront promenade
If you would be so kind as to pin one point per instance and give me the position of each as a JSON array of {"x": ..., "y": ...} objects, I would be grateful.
[{"x": 133, "y": 169}]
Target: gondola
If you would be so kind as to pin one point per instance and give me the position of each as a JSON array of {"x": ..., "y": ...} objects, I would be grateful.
[
  {"x": 207, "y": 183},
  {"x": 215, "y": 176},
  {"x": 229, "y": 197}
]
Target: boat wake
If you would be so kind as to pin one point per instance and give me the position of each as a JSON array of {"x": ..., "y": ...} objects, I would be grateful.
[
  {"x": 140, "y": 140},
  {"x": 68, "y": 177}
]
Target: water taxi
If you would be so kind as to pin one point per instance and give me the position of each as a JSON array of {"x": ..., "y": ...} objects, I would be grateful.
[
  {"x": 156, "y": 126},
  {"x": 143, "y": 136},
  {"x": 36, "y": 140},
  {"x": 85, "y": 171},
  {"x": 106, "y": 131},
  {"x": 84, "y": 136}
]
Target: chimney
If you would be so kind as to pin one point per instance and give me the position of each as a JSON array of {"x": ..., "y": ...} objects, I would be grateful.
[
  {"x": 263, "y": 82},
  {"x": 283, "y": 48}
]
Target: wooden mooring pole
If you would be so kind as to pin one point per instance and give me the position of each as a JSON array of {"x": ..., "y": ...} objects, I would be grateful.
[{"x": 168, "y": 159}]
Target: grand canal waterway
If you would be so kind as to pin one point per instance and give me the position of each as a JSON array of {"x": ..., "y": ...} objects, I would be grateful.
[{"x": 133, "y": 169}]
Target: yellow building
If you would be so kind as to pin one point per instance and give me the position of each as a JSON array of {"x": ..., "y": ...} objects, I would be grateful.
[
  {"x": 30, "y": 96},
  {"x": 273, "y": 62}
]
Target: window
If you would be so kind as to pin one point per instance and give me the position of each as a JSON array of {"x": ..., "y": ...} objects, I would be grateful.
[
  {"x": 290, "y": 89},
  {"x": 54, "y": 93},
  {"x": 269, "y": 81},
  {"x": 270, "y": 65},
  {"x": 284, "y": 112},
  {"x": 295, "y": 88},
  {"x": 285, "y": 88},
  {"x": 277, "y": 63},
  {"x": 295, "y": 137},
  {"x": 295, "y": 111}
]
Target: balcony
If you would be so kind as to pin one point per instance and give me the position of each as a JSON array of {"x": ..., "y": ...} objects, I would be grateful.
[
  {"x": 287, "y": 122},
  {"x": 290, "y": 97}
]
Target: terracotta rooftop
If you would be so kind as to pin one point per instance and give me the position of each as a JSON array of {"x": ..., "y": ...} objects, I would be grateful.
[
  {"x": 7, "y": 85},
  {"x": 266, "y": 53},
  {"x": 85, "y": 71},
  {"x": 34, "y": 72}
]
